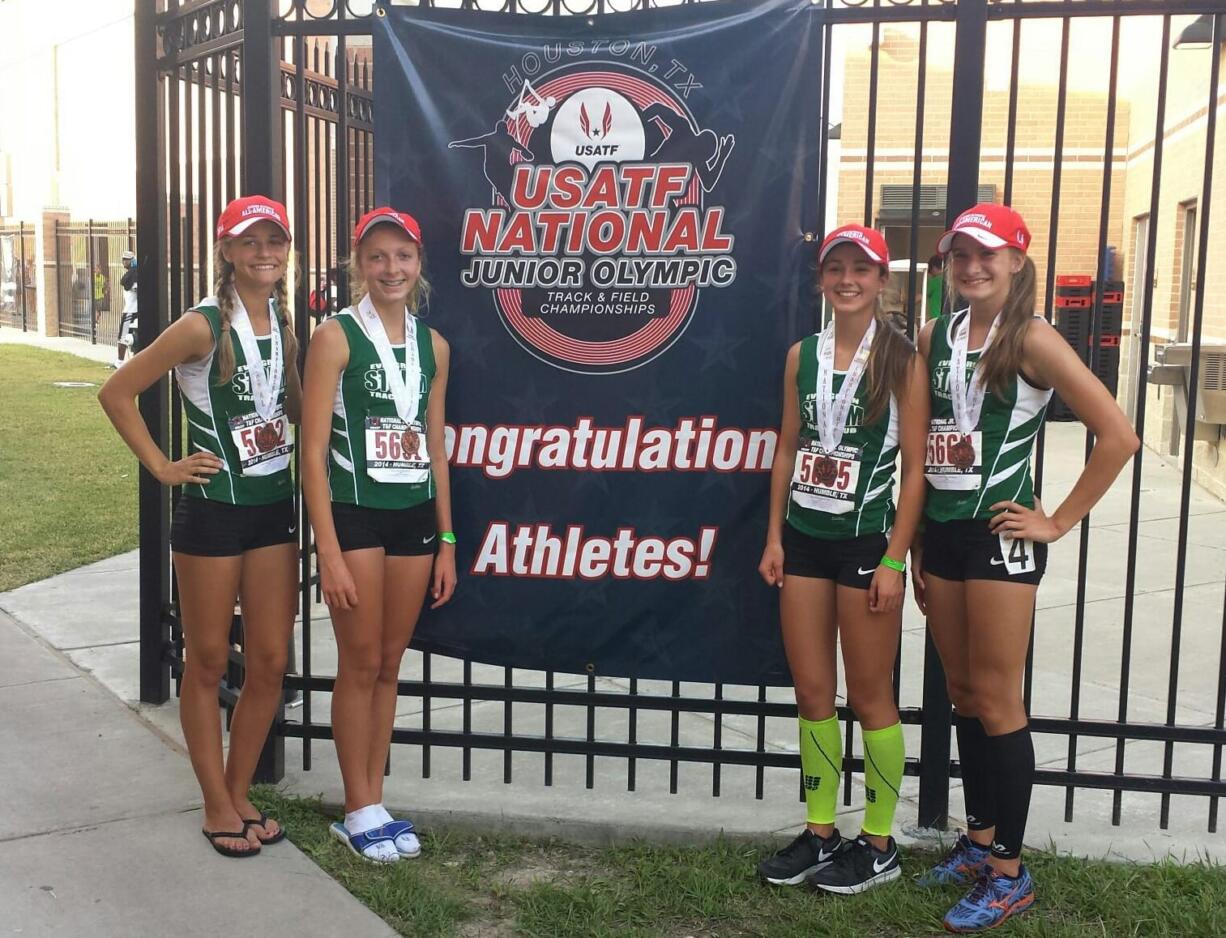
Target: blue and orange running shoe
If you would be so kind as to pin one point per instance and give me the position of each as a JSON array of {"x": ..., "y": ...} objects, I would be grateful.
[
  {"x": 995, "y": 899},
  {"x": 963, "y": 865}
]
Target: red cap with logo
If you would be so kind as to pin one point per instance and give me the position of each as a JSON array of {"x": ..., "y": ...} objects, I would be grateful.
[
  {"x": 242, "y": 213},
  {"x": 994, "y": 226},
  {"x": 869, "y": 240},
  {"x": 385, "y": 215}
]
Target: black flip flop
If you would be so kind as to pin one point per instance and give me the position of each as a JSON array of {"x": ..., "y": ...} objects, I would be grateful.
[
  {"x": 262, "y": 821},
  {"x": 213, "y": 836}
]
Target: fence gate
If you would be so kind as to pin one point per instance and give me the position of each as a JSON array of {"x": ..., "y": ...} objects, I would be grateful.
[
  {"x": 935, "y": 100},
  {"x": 18, "y": 297}
]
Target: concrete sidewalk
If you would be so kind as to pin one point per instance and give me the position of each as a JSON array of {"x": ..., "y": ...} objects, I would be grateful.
[
  {"x": 82, "y": 348},
  {"x": 98, "y": 831}
]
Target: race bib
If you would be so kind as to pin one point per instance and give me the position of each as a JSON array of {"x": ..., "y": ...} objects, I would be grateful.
[
  {"x": 825, "y": 482},
  {"x": 1016, "y": 555},
  {"x": 396, "y": 450},
  {"x": 264, "y": 446},
  {"x": 954, "y": 461}
]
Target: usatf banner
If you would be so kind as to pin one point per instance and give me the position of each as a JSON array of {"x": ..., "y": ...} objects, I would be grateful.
[{"x": 612, "y": 212}]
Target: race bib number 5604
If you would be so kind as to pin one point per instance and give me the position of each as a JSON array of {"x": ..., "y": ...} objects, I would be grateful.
[{"x": 396, "y": 450}]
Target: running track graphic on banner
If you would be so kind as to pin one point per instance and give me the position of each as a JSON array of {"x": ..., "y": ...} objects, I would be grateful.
[{"x": 613, "y": 212}]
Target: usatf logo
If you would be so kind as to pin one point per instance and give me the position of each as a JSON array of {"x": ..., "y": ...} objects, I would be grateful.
[{"x": 597, "y": 238}]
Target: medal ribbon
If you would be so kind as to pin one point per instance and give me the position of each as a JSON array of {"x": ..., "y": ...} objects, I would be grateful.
[
  {"x": 967, "y": 397},
  {"x": 405, "y": 388},
  {"x": 265, "y": 377},
  {"x": 832, "y": 410}
]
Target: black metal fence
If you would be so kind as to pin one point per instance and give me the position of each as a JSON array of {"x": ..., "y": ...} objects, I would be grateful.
[
  {"x": 302, "y": 112},
  {"x": 88, "y": 271},
  {"x": 18, "y": 293}
]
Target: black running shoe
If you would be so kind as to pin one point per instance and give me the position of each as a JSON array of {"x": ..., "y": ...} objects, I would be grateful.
[
  {"x": 807, "y": 854},
  {"x": 857, "y": 867}
]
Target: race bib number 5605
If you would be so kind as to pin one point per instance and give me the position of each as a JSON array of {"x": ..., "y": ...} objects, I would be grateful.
[{"x": 825, "y": 482}]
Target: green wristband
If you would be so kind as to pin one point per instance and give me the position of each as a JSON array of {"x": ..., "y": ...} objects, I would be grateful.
[
  {"x": 447, "y": 537},
  {"x": 894, "y": 564}
]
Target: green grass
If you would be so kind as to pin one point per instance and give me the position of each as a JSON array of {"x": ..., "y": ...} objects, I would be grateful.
[
  {"x": 67, "y": 481},
  {"x": 497, "y": 887}
]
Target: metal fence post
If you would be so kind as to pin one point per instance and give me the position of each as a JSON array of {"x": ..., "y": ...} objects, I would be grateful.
[
  {"x": 23, "y": 280},
  {"x": 965, "y": 130},
  {"x": 91, "y": 286},
  {"x": 262, "y": 134},
  {"x": 151, "y": 254}
]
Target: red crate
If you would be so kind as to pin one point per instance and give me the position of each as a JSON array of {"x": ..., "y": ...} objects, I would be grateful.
[
  {"x": 1074, "y": 302},
  {"x": 1113, "y": 296},
  {"x": 1074, "y": 291},
  {"x": 1074, "y": 280}
]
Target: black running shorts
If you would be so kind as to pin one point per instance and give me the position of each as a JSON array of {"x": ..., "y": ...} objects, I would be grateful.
[
  {"x": 400, "y": 532},
  {"x": 851, "y": 562},
  {"x": 204, "y": 528},
  {"x": 968, "y": 550}
]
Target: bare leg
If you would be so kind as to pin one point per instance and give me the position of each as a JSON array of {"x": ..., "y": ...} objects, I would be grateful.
[
  {"x": 207, "y": 590},
  {"x": 999, "y": 616},
  {"x": 807, "y": 611},
  {"x": 404, "y": 588},
  {"x": 359, "y": 643},
  {"x": 267, "y": 593},
  {"x": 870, "y": 645},
  {"x": 948, "y": 626}
]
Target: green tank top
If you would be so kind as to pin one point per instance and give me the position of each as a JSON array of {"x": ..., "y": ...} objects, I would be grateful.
[
  {"x": 222, "y": 420},
  {"x": 968, "y": 473},
  {"x": 849, "y": 493},
  {"x": 377, "y": 460}
]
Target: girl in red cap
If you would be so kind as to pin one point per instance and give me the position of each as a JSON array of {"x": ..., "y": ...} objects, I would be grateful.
[
  {"x": 374, "y": 472},
  {"x": 854, "y": 397},
  {"x": 992, "y": 367},
  {"x": 234, "y": 531}
]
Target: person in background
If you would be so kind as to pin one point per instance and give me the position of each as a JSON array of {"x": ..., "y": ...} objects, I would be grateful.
[{"x": 127, "y": 322}]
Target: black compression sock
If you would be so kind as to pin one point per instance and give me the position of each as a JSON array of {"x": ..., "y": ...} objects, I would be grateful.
[
  {"x": 977, "y": 787},
  {"x": 1012, "y": 768}
]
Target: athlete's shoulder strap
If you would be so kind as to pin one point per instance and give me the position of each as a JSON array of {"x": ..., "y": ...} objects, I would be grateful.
[
  {"x": 209, "y": 309},
  {"x": 350, "y": 324}
]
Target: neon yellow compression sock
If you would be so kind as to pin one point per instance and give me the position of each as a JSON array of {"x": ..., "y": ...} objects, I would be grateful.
[
  {"x": 821, "y": 762},
  {"x": 884, "y": 755}
]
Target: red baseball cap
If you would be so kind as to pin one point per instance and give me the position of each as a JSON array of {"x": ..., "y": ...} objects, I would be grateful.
[
  {"x": 992, "y": 225},
  {"x": 385, "y": 215},
  {"x": 869, "y": 240},
  {"x": 242, "y": 213}
]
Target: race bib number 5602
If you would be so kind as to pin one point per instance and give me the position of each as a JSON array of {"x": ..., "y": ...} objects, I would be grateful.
[{"x": 264, "y": 446}]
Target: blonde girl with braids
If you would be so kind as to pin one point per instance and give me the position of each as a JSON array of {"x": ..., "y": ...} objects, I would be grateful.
[
  {"x": 234, "y": 531},
  {"x": 992, "y": 367},
  {"x": 854, "y": 401},
  {"x": 374, "y": 474}
]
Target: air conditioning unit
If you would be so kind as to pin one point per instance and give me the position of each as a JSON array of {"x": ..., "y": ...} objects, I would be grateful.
[
  {"x": 1174, "y": 367},
  {"x": 1211, "y": 391}
]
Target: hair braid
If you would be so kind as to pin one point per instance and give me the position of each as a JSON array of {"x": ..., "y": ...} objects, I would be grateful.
[
  {"x": 289, "y": 339},
  {"x": 223, "y": 287}
]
